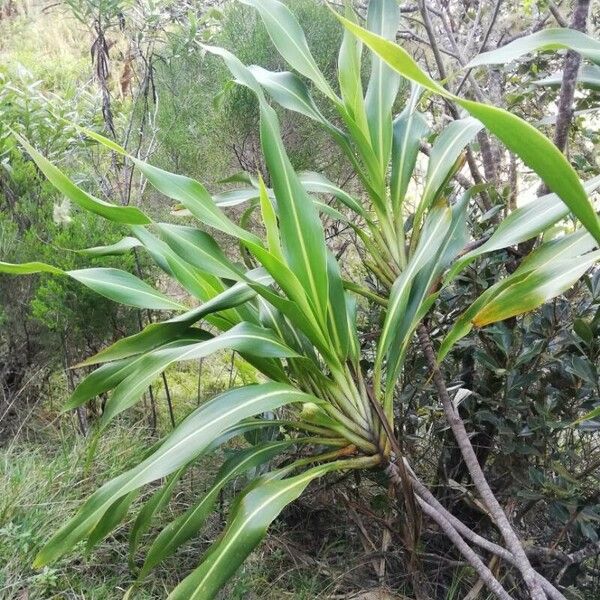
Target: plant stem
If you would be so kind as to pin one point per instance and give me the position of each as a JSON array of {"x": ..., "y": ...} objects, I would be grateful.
[
  {"x": 475, "y": 471},
  {"x": 474, "y": 560},
  {"x": 468, "y": 533}
]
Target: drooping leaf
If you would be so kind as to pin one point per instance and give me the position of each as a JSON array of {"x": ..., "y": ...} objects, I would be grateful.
[
  {"x": 121, "y": 247},
  {"x": 186, "y": 442},
  {"x": 522, "y": 224},
  {"x": 29, "y": 268},
  {"x": 288, "y": 90},
  {"x": 539, "y": 286},
  {"x": 198, "y": 283},
  {"x": 256, "y": 341},
  {"x": 251, "y": 516},
  {"x": 110, "y": 519},
  {"x": 588, "y": 77},
  {"x": 153, "y": 505},
  {"x": 235, "y": 197},
  {"x": 189, "y": 192},
  {"x": 199, "y": 249},
  {"x": 114, "y": 284},
  {"x": 189, "y": 523},
  {"x": 109, "y": 375},
  {"x": 317, "y": 183},
  {"x": 112, "y": 212},
  {"x": 549, "y": 271},
  {"x": 288, "y": 37},
  {"x": 125, "y": 288}
]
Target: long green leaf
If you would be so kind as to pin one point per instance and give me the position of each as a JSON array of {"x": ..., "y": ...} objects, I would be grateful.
[
  {"x": 337, "y": 317},
  {"x": 125, "y": 288},
  {"x": 199, "y": 249},
  {"x": 305, "y": 281},
  {"x": 422, "y": 296},
  {"x": 288, "y": 37},
  {"x": 256, "y": 341},
  {"x": 288, "y": 90},
  {"x": 189, "y": 523},
  {"x": 121, "y": 247},
  {"x": 532, "y": 291},
  {"x": 383, "y": 18},
  {"x": 251, "y": 516},
  {"x": 157, "y": 334},
  {"x": 153, "y": 505},
  {"x": 302, "y": 234},
  {"x": 547, "y": 39},
  {"x": 433, "y": 236},
  {"x": 536, "y": 151},
  {"x": 434, "y": 232},
  {"x": 200, "y": 284},
  {"x": 445, "y": 151},
  {"x": 588, "y": 77},
  {"x": 109, "y": 375},
  {"x": 29, "y": 268},
  {"x": 184, "y": 190},
  {"x": 186, "y": 442},
  {"x": 270, "y": 221},
  {"x": 521, "y": 224},
  {"x": 110, "y": 519},
  {"x": 546, "y": 273},
  {"x": 409, "y": 128},
  {"x": 349, "y": 76},
  {"x": 112, "y": 212},
  {"x": 318, "y": 183},
  {"x": 114, "y": 284}
]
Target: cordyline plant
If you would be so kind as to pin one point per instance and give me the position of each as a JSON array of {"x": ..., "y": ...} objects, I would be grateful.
[{"x": 293, "y": 316}]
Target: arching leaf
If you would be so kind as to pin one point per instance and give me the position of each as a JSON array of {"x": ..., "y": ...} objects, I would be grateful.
[
  {"x": 288, "y": 37},
  {"x": 189, "y": 523},
  {"x": 112, "y": 212},
  {"x": 186, "y": 442},
  {"x": 256, "y": 341},
  {"x": 535, "y": 149}
]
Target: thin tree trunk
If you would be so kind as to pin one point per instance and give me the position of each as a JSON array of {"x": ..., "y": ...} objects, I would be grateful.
[
  {"x": 169, "y": 401},
  {"x": 569, "y": 80},
  {"x": 564, "y": 117},
  {"x": 80, "y": 410}
]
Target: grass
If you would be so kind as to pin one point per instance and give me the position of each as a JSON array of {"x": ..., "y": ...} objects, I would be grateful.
[
  {"x": 52, "y": 34},
  {"x": 41, "y": 484}
]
